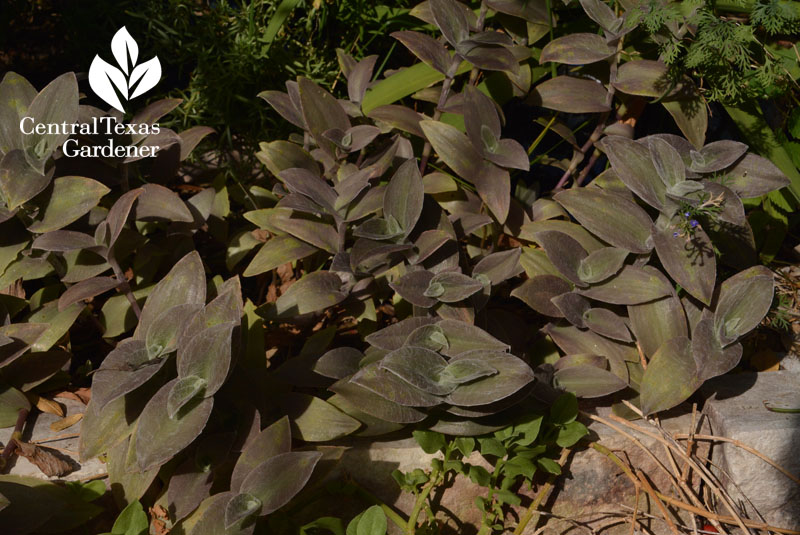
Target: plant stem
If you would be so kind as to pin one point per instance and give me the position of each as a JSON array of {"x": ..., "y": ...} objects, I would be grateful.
[
  {"x": 8, "y": 451},
  {"x": 534, "y": 506},
  {"x": 553, "y": 67},
  {"x": 426, "y": 149},
  {"x": 124, "y": 285},
  {"x": 420, "y": 503}
]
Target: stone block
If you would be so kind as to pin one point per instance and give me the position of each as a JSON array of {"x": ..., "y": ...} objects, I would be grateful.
[{"x": 736, "y": 410}]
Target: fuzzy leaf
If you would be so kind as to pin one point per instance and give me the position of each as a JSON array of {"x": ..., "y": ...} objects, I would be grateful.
[
  {"x": 588, "y": 381},
  {"x": 418, "y": 367},
  {"x": 538, "y": 292},
  {"x": 570, "y": 95},
  {"x": 404, "y": 196},
  {"x": 183, "y": 391},
  {"x": 565, "y": 253},
  {"x": 604, "y": 321},
  {"x": 689, "y": 260},
  {"x": 185, "y": 284},
  {"x": 708, "y": 353},
  {"x": 339, "y": 363},
  {"x": 70, "y": 198},
  {"x": 601, "y": 264},
  {"x": 426, "y": 48},
  {"x": 413, "y": 287},
  {"x": 314, "y": 292},
  {"x": 656, "y": 322},
  {"x": 389, "y": 386},
  {"x": 577, "y": 49},
  {"x": 19, "y": 181},
  {"x": 754, "y": 176},
  {"x": 276, "y": 252},
  {"x": 452, "y": 287},
  {"x": 321, "y": 112},
  {"x": 208, "y": 356},
  {"x": 463, "y": 337},
  {"x": 160, "y": 204},
  {"x": 618, "y": 221},
  {"x": 717, "y": 156},
  {"x": 632, "y": 163},
  {"x": 670, "y": 377},
  {"x": 56, "y": 103},
  {"x": 393, "y": 337},
  {"x": 631, "y": 286},
  {"x": 744, "y": 300},
  {"x": 277, "y": 480},
  {"x": 450, "y": 19},
  {"x": 160, "y": 437},
  {"x": 274, "y": 440},
  {"x": 316, "y": 420},
  {"x": 513, "y": 374}
]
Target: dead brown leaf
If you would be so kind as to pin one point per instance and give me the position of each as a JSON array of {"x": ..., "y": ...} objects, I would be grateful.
[
  {"x": 64, "y": 423},
  {"x": 49, "y": 406},
  {"x": 83, "y": 395},
  {"x": 46, "y": 459},
  {"x": 159, "y": 516}
]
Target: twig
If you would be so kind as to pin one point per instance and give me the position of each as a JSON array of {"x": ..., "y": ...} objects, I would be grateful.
[
  {"x": 746, "y": 448},
  {"x": 661, "y": 507},
  {"x": 534, "y": 506},
  {"x": 685, "y": 506}
]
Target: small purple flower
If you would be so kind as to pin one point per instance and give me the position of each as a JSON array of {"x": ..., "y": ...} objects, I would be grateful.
[
  {"x": 693, "y": 223},
  {"x": 674, "y": 234},
  {"x": 686, "y": 215}
]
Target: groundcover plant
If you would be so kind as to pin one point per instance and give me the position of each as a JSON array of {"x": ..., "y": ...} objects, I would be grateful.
[{"x": 427, "y": 281}]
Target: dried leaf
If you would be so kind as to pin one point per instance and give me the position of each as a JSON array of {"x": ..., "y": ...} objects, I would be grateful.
[
  {"x": 64, "y": 423},
  {"x": 46, "y": 459}
]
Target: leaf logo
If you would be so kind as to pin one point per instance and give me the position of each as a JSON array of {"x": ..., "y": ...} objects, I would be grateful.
[{"x": 108, "y": 82}]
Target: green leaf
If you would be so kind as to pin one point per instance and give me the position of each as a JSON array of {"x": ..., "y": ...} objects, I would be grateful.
[
  {"x": 564, "y": 410},
  {"x": 322, "y": 112},
  {"x": 479, "y": 475},
  {"x": 430, "y": 441},
  {"x": 691, "y": 116},
  {"x": 404, "y": 83},
  {"x": 655, "y": 322},
  {"x": 70, "y": 198},
  {"x": 588, "y": 381},
  {"x": 124, "y": 369},
  {"x": 644, "y": 78},
  {"x": 670, "y": 377},
  {"x": 492, "y": 446},
  {"x": 466, "y": 371},
  {"x": 131, "y": 521},
  {"x": 372, "y": 522},
  {"x": 570, "y": 434},
  {"x": 463, "y": 337},
  {"x": 452, "y": 287},
  {"x": 465, "y": 445},
  {"x": 549, "y": 465},
  {"x": 16, "y": 95}
]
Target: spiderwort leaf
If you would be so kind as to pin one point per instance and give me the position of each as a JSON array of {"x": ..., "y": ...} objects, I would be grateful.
[
  {"x": 633, "y": 165},
  {"x": 753, "y": 176},
  {"x": 688, "y": 259},
  {"x": 183, "y": 391},
  {"x": 339, "y": 363},
  {"x": 708, "y": 353},
  {"x": 450, "y": 19},
  {"x": 123, "y": 370},
  {"x": 157, "y": 203},
  {"x": 391, "y": 387},
  {"x": 321, "y": 112},
  {"x": 160, "y": 437},
  {"x": 670, "y": 377},
  {"x": 404, "y": 196},
  {"x": 480, "y": 115},
  {"x": 162, "y": 336},
  {"x": 667, "y": 161},
  {"x": 451, "y": 287},
  {"x": 418, "y": 367},
  {"x": 426, "y": 48},
  {"x": 240, "y": 507},
  {"x": 19, "y": 181},
  {"x": 428, "y": 337},
  {"x": 500, "y": 266},
  {"x": 513, "y": 374},
  {"x": 393, "y": 337},
  {"x": 602, "y": 264},
  {"x": 717, "y": 156},
  {"x": 313, "y": 292},
  {"x": 274, "y": 440},
  {"x": 86, "y": 289},
  {"x": 744, "y": 300},
  {"x": 657, "y": 321},
  {"x": 414, "y": 287},
  {"x": 577, "y": 49},
  {"x": 466, "y": 370},
  {"x": 631, "y": 286},
  {"x": 278, "y": 479},
  {"x": 572, "y": 306},
  {"x": 588, "y": 381},
  {"x": 184, "y": 284},
  {"x": 618, "y": 221},
  {"x": 564, "y": 252},
  {"x": 604, "y": 321},
  {"x": 571, "y": 95},
  {"x": 70, "y": 198},
  {"x": 463, "y": 337},
  {"x": 208, "y": 356},
  {"x": 599, "y": 12},
  {"x": 16, "y": 95},
  {"x": 57, "y": 103},
  {"x": 454, "y": 148},
  {"x": 538, "y": 292}
]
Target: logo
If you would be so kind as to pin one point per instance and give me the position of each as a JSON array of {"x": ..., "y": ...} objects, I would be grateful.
[{"x": 129, "y": 80}]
